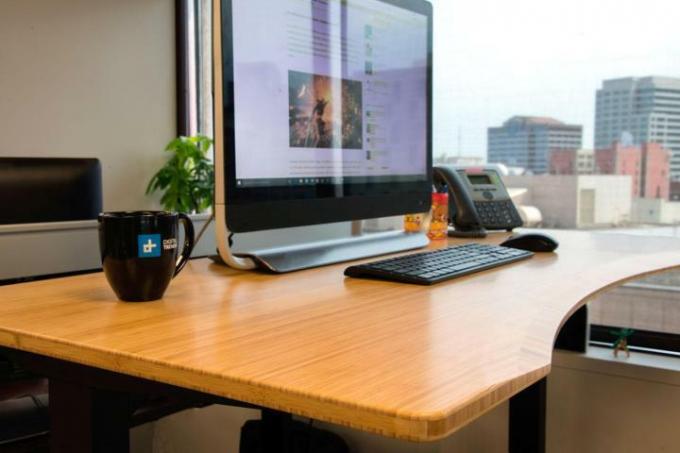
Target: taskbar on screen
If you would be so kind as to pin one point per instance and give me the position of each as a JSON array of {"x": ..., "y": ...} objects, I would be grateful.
[{"x": 332, "y": 180}]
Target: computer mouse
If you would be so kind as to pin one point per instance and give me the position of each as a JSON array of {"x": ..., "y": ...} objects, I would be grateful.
[{"x": 532, "y": 242}]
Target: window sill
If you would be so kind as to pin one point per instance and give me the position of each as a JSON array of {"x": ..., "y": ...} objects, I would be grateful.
[{"x": 640, "y": 366}]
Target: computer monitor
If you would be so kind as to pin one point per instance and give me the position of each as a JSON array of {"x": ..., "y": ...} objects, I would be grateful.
[{"x": 322, "y": 114}]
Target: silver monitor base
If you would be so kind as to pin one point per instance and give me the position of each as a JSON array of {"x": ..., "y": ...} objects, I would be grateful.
[{"x": 303, "y": 256}]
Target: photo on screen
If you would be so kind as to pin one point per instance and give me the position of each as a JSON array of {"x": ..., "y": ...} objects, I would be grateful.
[{"x": 324, "y": 112}]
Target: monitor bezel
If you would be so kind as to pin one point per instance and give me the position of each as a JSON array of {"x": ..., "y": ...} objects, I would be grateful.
[{"x": 262, "y": 208}]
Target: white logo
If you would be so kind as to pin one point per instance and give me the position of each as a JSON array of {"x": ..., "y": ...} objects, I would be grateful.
[
  {"x": 169, "y": 244},
  {"x": 149, "y": 246}
]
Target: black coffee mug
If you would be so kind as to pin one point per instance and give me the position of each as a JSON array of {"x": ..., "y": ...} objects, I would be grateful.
[{"x": 139, "y": 251}]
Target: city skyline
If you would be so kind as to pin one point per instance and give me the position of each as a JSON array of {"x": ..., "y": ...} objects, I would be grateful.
[
  {"x": 629, "y": 111},
  {"x": 552, "y": 64}
]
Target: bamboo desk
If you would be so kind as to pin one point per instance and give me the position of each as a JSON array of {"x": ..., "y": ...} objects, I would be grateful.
[{"x": 400, "y": 360}]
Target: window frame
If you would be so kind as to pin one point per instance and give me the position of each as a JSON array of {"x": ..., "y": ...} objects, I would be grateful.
[
  {"x": 186, "y": 66},
  {"x": 662, "y": 343}
]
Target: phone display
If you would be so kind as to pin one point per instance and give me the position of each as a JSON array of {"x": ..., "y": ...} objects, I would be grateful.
[{"x": 478, "y": 179}]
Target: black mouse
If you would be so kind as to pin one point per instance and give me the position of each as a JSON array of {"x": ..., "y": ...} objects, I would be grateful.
[{"x": 533, "y": 242}]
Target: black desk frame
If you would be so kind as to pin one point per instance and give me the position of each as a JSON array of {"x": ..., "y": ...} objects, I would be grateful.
[{"x": 528, "y": 407}]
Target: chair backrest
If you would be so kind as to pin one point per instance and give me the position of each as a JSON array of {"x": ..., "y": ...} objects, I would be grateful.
[{"x": 36, "y": 190}]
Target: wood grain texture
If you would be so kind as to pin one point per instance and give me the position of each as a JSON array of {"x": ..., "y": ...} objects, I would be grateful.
[{"x": 400, "y": 360}]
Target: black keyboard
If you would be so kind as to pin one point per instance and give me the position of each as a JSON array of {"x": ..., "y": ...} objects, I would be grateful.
[{"x": 436, "y": 266}]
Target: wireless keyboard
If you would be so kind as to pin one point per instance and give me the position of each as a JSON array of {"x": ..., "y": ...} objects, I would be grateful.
[{"x": 436, "y": 266}]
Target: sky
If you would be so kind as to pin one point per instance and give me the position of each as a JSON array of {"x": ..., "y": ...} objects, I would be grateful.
[{"x": 494, "y": 59}]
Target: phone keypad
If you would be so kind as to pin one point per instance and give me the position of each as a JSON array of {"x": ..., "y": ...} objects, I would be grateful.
[{"x": 500, "y": 214}]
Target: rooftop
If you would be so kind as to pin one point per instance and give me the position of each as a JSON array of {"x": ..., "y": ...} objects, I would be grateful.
[
  {"x": 535, "y": 120},
  {"x": 528, "y": 121},
  {"x": 627, "y": 83}
]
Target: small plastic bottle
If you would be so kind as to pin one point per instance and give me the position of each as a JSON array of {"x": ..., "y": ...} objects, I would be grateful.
[
  {"x": 413, "y": 223},
  {"x": 439, "y": 223}
]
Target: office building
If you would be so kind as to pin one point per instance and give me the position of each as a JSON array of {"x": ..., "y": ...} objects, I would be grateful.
[
  {"x": 647, "y": 165},
  {"x": 645, "y": 109},
  {"x": 572, "y": 162},
  {"x": 526, "y": 141}
]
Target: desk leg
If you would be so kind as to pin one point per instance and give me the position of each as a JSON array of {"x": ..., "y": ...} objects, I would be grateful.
[
  {"x": 527, "y": 419},
  {"x": 276, "y": 428},
  {"x": 84, "y": 419},
  {"x": 574, "y": 333}
]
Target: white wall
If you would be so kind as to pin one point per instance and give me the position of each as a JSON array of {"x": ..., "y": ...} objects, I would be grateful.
[
  {"x": 84, "y": 78},
  {"x": 646, "y": 210},
  {"x": 612, "y": 197},
  {"x": 655, "y": 211}
]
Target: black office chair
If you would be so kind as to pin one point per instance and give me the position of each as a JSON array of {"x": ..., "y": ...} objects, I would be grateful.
[
  {"x": 37, "y": 190},
  {"x": 24, "y": 417}
]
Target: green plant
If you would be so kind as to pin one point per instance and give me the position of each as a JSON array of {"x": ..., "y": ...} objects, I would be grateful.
[
  {"x": 621, "y": 341},
  {"x": 187, "y": 178},
  {"x": 621, "y": 336}
]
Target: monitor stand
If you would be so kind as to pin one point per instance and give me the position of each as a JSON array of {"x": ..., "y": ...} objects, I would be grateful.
[{"x": 313, "y": 254}]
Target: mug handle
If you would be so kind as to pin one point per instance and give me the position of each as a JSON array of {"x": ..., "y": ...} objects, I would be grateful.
[{"x": 188, "y": 243}]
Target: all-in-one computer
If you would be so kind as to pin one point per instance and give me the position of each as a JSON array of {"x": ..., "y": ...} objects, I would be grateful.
[{"x": 322, "y": 114}]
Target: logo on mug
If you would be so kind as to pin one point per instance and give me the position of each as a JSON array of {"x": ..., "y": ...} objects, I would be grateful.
[{"x": 149, "y": 245}]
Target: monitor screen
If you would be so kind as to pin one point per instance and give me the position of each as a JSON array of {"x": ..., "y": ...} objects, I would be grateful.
[
  {"x": 326, "y": 99},
  {"x": 328, "y": 91}
]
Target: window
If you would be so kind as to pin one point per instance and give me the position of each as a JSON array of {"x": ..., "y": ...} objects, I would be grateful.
[
  {"x": 186, "y": 61},
  {"x": 194, "y": 67},
  {"x": 522, "y": 59}
]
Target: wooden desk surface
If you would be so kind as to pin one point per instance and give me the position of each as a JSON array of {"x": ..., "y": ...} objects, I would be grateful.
[{"x": 400, "y": 360}]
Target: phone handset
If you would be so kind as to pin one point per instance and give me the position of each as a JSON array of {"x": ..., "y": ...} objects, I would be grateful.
[{"x": 462, "y": 212}]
